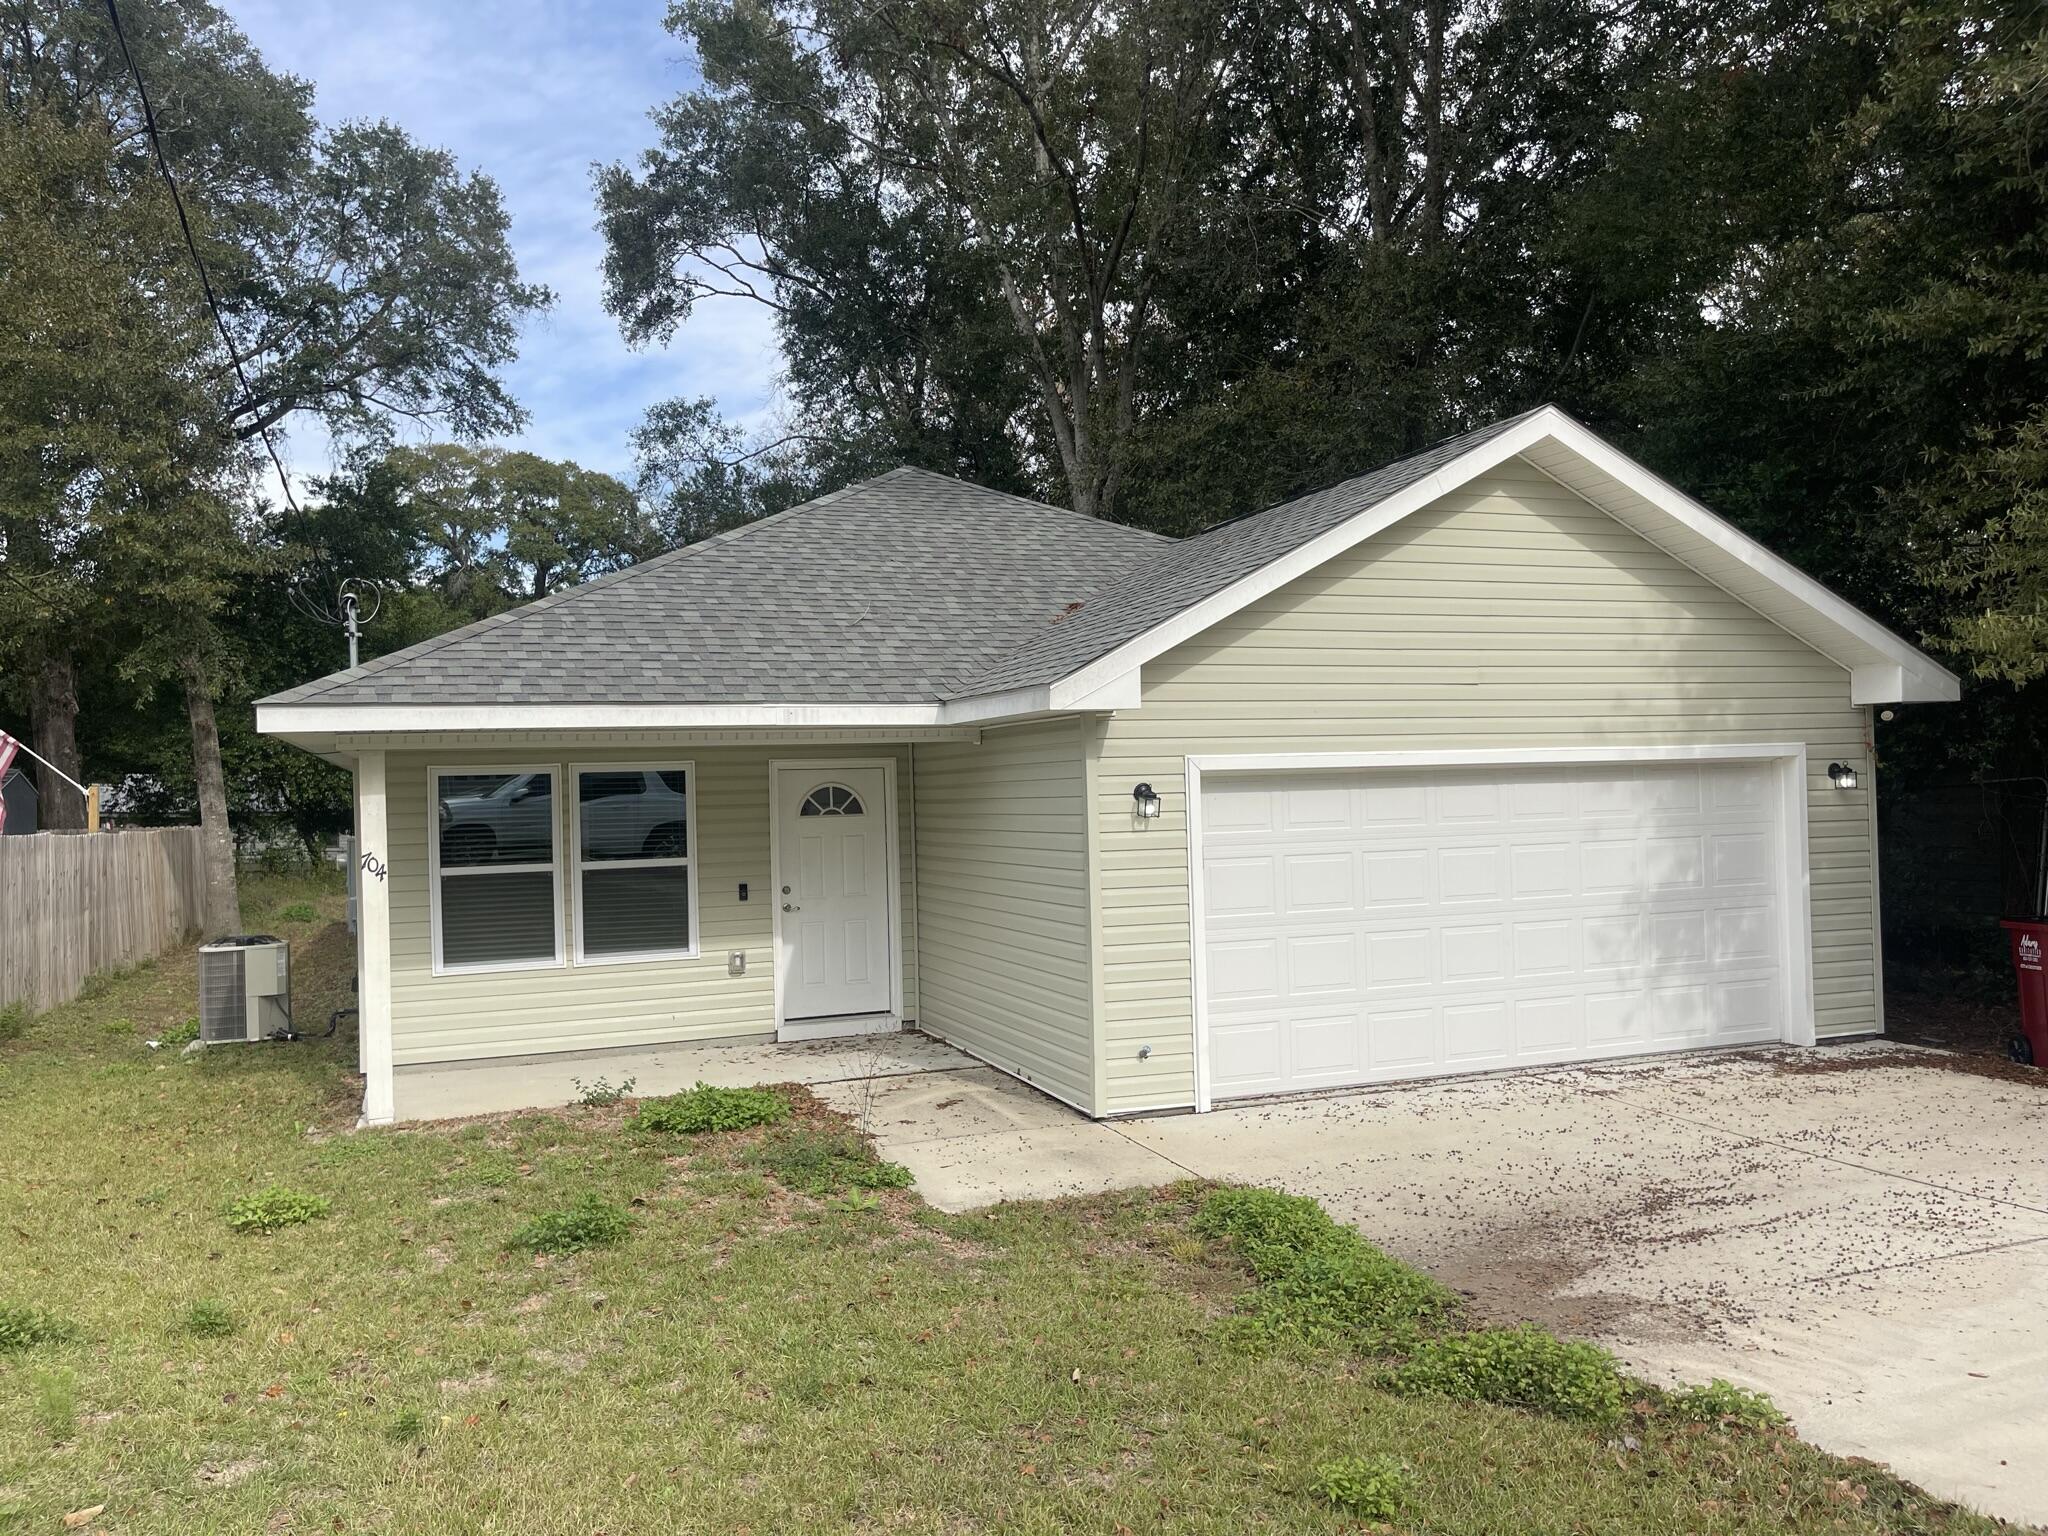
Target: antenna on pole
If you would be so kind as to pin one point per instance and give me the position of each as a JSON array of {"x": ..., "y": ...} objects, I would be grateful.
[{"x": 357, "y": 602}]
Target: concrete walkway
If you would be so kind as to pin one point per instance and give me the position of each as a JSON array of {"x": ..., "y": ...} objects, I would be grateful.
[
  {"x": 1859, "y": 1231},
  {"x": 451, "y": 1090}
]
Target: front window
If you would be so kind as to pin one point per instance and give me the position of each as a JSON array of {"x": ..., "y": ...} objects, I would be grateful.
[
  {"x": 495, "y": 898},
  {"x": 635, "y": 879}
]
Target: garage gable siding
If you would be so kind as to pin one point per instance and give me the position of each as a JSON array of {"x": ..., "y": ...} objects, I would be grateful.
[
  {"x": 1002, "y": 918},
  {"x": 1510, "y": 614}
]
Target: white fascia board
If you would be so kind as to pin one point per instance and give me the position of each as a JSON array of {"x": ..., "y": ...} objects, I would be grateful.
[
  {"x": 1920, "y": 678},
  {"x": 314, "y": 719},
  {"x": 1914, "y": 676}
]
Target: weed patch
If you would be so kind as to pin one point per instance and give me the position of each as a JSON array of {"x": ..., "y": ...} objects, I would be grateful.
[
  {"x": 206, "y": 1319},
  {"x": 1319, "y": 1281},
  {"x": 24, "y": 1328},
  {"x": 13, "y": 1022},
  {"x": 1519, "y": 1368},
  {"x": 600, "y": 1092},
  {"x": 274, "y": 1209},
  {"x": 298, "y": 912},
  {"x": 1364, "y": 1487},
  {"x": 407, "y": 1426},
  {"x": 705, "y": 1108},
  {"x": 821, "y": 1163},
  {"x": 1722, "y": 1402},
  {"x": 589, "y": 1223}
]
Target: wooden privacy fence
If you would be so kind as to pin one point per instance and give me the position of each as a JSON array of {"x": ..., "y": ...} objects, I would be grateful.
[{"x": 72, "y": 904}]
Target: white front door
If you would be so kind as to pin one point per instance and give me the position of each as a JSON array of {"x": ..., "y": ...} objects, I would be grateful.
[{"x": 832, "y": 890}]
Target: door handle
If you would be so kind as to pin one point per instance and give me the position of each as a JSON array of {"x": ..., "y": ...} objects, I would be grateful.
[{"x": 788, "y": 908}]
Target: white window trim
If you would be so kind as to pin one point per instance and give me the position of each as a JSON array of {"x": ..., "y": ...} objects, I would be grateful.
[
  {"x": 577, "y": 864},
  {"x": 553, "y": 869}
]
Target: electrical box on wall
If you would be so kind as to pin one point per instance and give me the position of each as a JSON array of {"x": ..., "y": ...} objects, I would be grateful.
[{"x": 736, "y": 963}]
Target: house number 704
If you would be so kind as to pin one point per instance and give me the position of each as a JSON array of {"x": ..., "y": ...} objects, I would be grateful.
[{"x": 373, "y": 866}]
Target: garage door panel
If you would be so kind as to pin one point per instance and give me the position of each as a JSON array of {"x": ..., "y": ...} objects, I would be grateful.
[
  {"x": 1242, "y": 887},
  {"x": 1362, "y": 927},
  {"x": 1478, "y": 1035},
  {"x": 1546, "y": 947},
  {"x": 1402, "y": 1040},
  {"x": 1318, "y": 882}
]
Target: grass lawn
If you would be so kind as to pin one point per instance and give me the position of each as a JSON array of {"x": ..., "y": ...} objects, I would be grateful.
[{"x": 747, "y": 1359}]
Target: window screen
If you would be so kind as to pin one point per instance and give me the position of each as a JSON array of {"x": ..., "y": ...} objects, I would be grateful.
[
  {"x": 495, "y": 896},
  {"x": 633, "y": 857}
]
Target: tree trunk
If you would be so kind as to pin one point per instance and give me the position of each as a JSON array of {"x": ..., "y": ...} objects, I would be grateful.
[
  {"x": 216, "y": 837},
  {"x": 53, "y": 723}
]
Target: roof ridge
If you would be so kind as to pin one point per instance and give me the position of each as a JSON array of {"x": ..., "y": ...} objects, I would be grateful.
[{"x": 1035, "y": 505}]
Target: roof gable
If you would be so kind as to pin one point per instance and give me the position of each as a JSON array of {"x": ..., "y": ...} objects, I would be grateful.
[{"x": 1185, "y": 589}]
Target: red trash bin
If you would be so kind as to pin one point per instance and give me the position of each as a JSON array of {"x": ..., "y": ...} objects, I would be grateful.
[{"x": 2029, "y": 955}]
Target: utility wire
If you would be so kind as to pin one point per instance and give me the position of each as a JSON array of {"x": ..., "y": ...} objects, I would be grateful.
[{"x": 284, "y": 479}]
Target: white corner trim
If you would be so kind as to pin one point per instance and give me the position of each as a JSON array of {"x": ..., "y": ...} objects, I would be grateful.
[
  {"x": 1795, "y": 878},
  {"x": 1901, "y": 672}
]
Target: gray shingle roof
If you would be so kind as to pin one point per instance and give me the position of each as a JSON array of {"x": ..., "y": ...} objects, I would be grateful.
[
  {"x": 893, "y": 590},
  {"x": 907, "y": 588}
]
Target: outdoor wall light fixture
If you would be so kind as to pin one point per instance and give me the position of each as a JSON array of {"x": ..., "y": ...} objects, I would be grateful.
[
  {"x": 1843, "y": 775},
  {"x": 1147, "y": 801}
]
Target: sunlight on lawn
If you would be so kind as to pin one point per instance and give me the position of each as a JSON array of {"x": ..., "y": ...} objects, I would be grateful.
[{"x": 719, "y": 1352}]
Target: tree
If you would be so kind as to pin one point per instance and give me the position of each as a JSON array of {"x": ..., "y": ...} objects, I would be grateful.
[
  {"x": 104, "y": 412},
  {"x": 360, "y": 276},
  {"x": 493, "y": 527},
  {"x": 990, "y": 152}
]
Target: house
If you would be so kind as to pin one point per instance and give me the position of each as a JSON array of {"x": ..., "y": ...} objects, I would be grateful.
[
  {"x": 1508, "y": 753},
  {"x": 22, "y": 801}
]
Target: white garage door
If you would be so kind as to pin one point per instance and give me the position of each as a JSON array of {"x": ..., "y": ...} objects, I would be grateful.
[{"x": 1367, "y": 925}]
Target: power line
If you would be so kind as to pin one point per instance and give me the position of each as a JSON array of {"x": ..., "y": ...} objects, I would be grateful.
[{"x": 284, "y": 479}]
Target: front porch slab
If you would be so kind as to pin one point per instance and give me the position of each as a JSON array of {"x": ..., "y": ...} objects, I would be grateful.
[{"x": 451, "y": 1090}]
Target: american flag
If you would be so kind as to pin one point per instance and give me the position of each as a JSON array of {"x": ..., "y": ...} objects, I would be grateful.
[{"x": 8, "y": 747}]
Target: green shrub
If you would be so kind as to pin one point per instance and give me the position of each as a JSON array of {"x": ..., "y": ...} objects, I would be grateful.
[
  {"x": 705, "y": 1108},
  {"x": 24, "y": 1327},
  {"x": 208, "y": 1320},
  {"x": 589, "y": 1223},
  {"x": 184, "y": 1032},
  {"x": 1722, "y": 1402},
  {"x": 1520, "y": 1368},
  {"x": 1320, "y": 1282},
  {"x": 599, "y": 1092},
  {"x": 298, "y": 912},
  {"x": 13, "y": 1021},
  {"x": 1364, "y": 1487},
  {"x": 274, "y": 1209},
  {"x": 825, "y": 1162}
]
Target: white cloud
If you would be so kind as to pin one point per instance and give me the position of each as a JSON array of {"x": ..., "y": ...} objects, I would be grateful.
[{"x": 532, "y": 92}]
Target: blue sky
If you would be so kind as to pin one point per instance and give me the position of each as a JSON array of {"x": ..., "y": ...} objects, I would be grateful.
[{"x": 531, "y": 92}]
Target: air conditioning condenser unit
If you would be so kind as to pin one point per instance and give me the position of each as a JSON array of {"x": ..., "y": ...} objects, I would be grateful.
[{"x": 245, "y": 988}]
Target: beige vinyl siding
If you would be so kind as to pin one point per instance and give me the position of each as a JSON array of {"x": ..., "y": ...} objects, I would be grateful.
[
  {"x": 1510, "y": 614},
  {"x": 473, "y": 1015},
  {"x": 1002, "y": 913}
]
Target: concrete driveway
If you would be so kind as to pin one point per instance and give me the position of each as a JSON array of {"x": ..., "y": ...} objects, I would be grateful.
[{"x": 1860, "y": 1231}]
